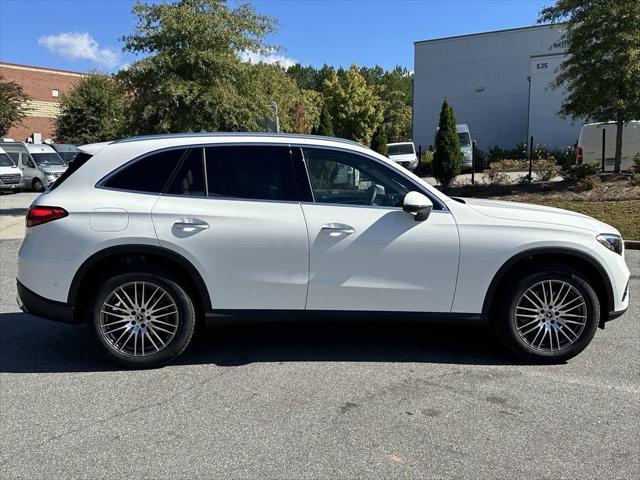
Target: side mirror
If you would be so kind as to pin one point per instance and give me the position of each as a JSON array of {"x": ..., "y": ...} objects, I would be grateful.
[{"x": 417, "y": 204}]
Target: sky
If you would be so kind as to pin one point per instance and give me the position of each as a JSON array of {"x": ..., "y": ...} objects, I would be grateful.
[{"x": 84, "y": 35}]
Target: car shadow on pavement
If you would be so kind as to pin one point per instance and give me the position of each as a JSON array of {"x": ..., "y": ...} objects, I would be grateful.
[{"x": 32, "y": 345}]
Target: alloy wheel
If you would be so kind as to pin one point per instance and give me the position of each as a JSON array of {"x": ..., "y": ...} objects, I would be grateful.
[
  {"x": 550, "y": 315},
  {"x": 139, "y": 319}
]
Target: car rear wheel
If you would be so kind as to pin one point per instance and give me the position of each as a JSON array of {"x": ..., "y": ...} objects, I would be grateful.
[
  {"x": 142, "y": 319},
  {"x": 548, "y": 316}
]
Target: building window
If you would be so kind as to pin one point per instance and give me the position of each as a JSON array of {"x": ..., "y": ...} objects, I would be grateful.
[{"x": 55, "y": 93}]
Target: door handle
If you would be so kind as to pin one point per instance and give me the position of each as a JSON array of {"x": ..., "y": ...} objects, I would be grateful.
[
  {"x": 191, "y": 224},
  {"x": 337, "y": 228}
]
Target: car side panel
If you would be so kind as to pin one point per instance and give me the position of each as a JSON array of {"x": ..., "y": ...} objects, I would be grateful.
[
  {"x": 488, "y": 243},
  {"x": 52, "y": 253}
]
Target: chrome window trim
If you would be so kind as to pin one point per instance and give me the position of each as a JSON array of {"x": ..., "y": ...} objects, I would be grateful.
[{"x": 100, "y": 184}]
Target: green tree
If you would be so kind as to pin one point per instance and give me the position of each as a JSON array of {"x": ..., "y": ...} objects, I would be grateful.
[
  {"x": 447, "y": 156},
  {"x": 192, "y": 77},
  {"x": 602, "y": 71},
  {"x": 94, "y": 111},
  {"x": 379, "y": 140},
  {"x": 354, "y": 106},
  {"x": 325, "y": 125},
  {"x": 13, "y": 105}
]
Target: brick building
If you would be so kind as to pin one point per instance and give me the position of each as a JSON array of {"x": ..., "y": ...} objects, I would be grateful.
[{"x": 45, "y": 86}]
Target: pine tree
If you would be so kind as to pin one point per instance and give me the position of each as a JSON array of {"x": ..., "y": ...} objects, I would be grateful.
[
  {"x": 447, "y": 157},
  {"x": 379, "y": 141},
  {"x": 325, "y": 126}
]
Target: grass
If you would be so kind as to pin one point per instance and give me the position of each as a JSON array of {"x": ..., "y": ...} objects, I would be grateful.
[{"x": 622, "y": 214}]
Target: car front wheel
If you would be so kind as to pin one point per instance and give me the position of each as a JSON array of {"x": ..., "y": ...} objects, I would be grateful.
[
  {"x": 141, "y": 319},
  {"x": 548, "y": 316}
]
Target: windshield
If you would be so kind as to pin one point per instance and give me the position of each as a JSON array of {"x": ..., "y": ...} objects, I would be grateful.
[
  {"x": 465, "y": 139},
  {"x": 403, "y": 149},
  {"x": 44, "y": 159},
  {"x": 5, "y": 160}
]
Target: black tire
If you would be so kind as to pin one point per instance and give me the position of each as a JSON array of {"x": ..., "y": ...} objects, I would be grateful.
[
  {"x": 37, "y": 185},
  {"x": 504, "y": 321},
  {"x": 185, "y": 319}
]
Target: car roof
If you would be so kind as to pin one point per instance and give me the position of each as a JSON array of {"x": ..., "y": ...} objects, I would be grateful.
[
  {"x": 400, "y": 143},
  {"x": 64, "y": 147},
  {"x": 244, "y": 135},
  {"x": 39, "y": 148},
  {"x": 14, "y": 146}
]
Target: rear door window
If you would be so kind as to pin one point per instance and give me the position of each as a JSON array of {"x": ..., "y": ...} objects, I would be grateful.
[
  {"x": 189, "y": 179},
  {"x": 262, "y": 172},
  {"x": 149, "y": 174}
]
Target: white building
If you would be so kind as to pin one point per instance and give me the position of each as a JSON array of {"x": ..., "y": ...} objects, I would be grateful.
[{"x": 497, "y": 82}]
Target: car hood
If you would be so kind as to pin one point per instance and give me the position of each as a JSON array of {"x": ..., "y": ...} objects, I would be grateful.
[
  {"x": 54, "y": 169},
  {"x": 7, "y": 170},
  {"x": 407, "y": 157},
  {"x": 538, "y": 214}
]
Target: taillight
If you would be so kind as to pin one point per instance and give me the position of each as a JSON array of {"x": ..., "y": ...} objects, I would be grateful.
[
  {"x": 37, "y": 214},
  {"x": 579, "y": 155}
]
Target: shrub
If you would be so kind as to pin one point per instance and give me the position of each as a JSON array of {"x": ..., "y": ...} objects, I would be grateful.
[
  {"x": 447, "y": 157},
  {"x": 587, "y": 183},
  {"x": 577, "y": 172},
  {"x": 494, "y": 176},
  {"x": 635, "y": 179},
  {"x": 425, "y": 160},
  {"x": 497, "y": 153},
  {"x": 566, "y": 156},
  {"x": 548, "y": 171}
]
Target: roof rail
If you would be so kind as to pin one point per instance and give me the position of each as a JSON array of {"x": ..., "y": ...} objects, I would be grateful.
[{"x": 235, "y": 134}]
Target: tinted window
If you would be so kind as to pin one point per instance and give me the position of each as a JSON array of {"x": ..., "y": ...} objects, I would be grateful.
[
  {"x": 5, "y": 160},
  {"x": 149, "y": 174},
  {"x": 402, "y": 149},
  {"x": 14, "y": 156},
  {"x": 350, "y": 179},
  {"x": 258, "y": 172},
  {"x": 189, "y": 179}
]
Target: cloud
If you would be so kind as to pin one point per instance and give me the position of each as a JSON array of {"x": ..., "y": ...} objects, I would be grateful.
[
  {"x": 271, "y": 58},
  {"x": 79, "y": 46}
]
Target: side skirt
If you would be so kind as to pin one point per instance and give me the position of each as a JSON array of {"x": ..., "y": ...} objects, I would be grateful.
[{"x": 226, "y": 317}]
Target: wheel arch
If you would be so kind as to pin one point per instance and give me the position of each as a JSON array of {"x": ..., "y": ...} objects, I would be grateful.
[
  {"x": 111, "y": 258},
  {"x": 581, "y": 261}
]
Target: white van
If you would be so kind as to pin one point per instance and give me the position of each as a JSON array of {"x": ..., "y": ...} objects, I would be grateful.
[
  {"x": 42, "y": 167},
  {"x": 590, "y": 144},
  {"x": 466, "y": 146},
  {"x": 10, "y": 174},
  {"x": 403, "y": 153}
]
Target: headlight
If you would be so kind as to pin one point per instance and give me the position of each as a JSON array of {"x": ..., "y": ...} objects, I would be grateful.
[{"x": 612, "y": 242}]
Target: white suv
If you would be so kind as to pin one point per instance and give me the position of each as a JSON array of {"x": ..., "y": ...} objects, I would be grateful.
[{"x": 143, "y": 238}]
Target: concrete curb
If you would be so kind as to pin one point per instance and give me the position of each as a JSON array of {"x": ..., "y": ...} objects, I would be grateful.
[{"x": 632, "y": 244}]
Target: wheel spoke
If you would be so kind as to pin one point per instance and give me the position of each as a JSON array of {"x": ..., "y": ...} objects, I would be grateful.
[
  {"x": 152, "y": 342},
  {"x": 155, "y": 327},
  {"x": 154, "y": 321},
  {"x": 539, "y": 305}
]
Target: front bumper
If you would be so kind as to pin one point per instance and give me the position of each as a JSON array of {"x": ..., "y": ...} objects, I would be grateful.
[
  {"x": 34, "y": 304},
  {"x": 11, "y": 186}
]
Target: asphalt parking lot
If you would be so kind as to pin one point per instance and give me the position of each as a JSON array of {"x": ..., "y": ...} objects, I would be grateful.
[{"x": 316, "y": 401}]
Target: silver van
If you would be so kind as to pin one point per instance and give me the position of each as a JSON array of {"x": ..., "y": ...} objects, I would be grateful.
[{"x": 40, "y": 164}]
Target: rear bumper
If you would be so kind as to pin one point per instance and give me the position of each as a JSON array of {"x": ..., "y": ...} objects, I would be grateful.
[{"x": 34, "y": 304}]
